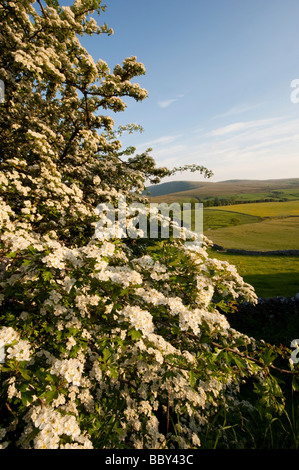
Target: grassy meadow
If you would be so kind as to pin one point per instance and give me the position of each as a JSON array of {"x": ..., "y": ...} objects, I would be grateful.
[
  {"x": 270, "y": 275},
  {"x": 269, "y": 226},
  {"x": 219, "y": 219},
  {"x": 238, "y": 190},
  {"x": 256, "y": 226},
  {"x": 268, "y": 235},
  {"x": 260, "y": 227},
  {"x": 264, "y": 209}
]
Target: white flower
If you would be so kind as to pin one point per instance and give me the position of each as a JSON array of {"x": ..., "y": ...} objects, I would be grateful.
[
  {"x": 96, "y": 372},
  {"x": 8, "y": 335},
  {"x": 196, "y": 440},
  {"x": 70, "y": 426},
  {"x": 70, "y": 369},
  {"x": 21, "y": 351},
  {"x": 70, "y": 343},
  {"x": 139, "y": 319},
  {"x": 152, "y": 296}
]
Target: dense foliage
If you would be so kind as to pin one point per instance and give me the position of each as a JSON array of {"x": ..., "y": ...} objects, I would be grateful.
[{"x": 116, "y": 343}]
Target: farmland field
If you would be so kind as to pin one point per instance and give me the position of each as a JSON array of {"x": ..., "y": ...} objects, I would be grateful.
[
  {"x": 268, "y": 235},
  {"x": 215, "y": 219},
  {"x": 262, "y": 227},
  {"x": 232, "y": 190},
  {"x": 259, "y": 226},
  {"x": 270, "y": 275},
  {"x": 264, "y": 209}
]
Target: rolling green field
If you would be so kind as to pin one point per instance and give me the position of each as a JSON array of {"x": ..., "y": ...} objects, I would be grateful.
[
  {"x": 238, "y": 189},
  {"x": 259, "y": 227},
  {"x": 216, "y": 219},
  {"x": 264, "y": 209},
  {"x": 271, "y": 276},
  {"x": 289, "y": 194},
  {"x": 262, "y": 227},
  {"x": 268, "y": 235}
]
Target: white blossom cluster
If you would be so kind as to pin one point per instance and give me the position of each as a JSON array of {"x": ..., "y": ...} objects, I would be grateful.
[
  {"x": 16, "y": 348},
  {"x": 53, "y": 424},
  {"x": 86, "y": 386},
  {"x": 139, "y": 319},
  {"x": 69, "y": 369}
]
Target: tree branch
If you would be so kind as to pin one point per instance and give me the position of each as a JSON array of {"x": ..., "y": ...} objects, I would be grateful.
[
  {"x": 249, "y": 358},
  {"x": 42, "y": 8},
  {"x": 238, "y": 353},
  {"x": 75, "y": 132}
]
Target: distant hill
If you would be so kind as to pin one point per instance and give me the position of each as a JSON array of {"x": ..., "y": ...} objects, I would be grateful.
[
  {"x": 172, "y": 187},
  {"x": 175, "y": 190}
]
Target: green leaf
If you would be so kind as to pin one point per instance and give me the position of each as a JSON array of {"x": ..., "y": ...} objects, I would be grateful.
[
  {"x": 52, "y": 3},
  {"x": 49, "y": 395},
  {"x": 47, "y": 275},
  {"x": 23, "y": 387},
  {"x": 135, "y": 334},
  {"x": 106, "y": 354},
  {"x": 26, "y": 397},
  {"x": 193, "y": 378},
  {"x": 241, "y": 363},
  {"x": 50, "y": 378},
  {"x": 295, "y": 384},
  {"x": 268, "y": 356},
  {"x": 26, "y": 262},
  {"x": 113, "y": 372},
  {"x": 24, "y": 373}
]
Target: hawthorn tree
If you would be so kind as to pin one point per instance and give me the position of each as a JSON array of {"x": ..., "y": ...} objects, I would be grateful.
[{"x": 106, "y": 343}]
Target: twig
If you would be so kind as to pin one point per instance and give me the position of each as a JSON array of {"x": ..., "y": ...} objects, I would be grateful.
[
  {"x": 238, "y": 353},
  {"x": 249, "y": 358},
  {"x": 42, "y": 8},
  {"x": 244, "y": 356}
]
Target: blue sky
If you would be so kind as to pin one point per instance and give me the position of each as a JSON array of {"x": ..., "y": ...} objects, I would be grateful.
[{"x": 219, "y": 76}]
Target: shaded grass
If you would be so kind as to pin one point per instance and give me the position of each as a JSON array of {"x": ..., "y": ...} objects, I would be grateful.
[
  {"x": 215, "y": 219},
  {"x": 276, "y": 323},
  {"x": 270, "y": 275}
]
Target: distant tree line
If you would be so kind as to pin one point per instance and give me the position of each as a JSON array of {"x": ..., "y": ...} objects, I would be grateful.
[{"x": 214, "y": 202}]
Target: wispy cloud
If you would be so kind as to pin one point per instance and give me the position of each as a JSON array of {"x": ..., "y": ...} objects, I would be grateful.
[
  {"x": 263, "y": 148},
  {"x": 266, "y": 147},
  {"x": 167, "y": 103},
  {"x": 238, "y": 110},
  {"x": 241, "y": 126},
  {"x": 257, "y": 149},
  {"x": 161, "y": 141}
]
